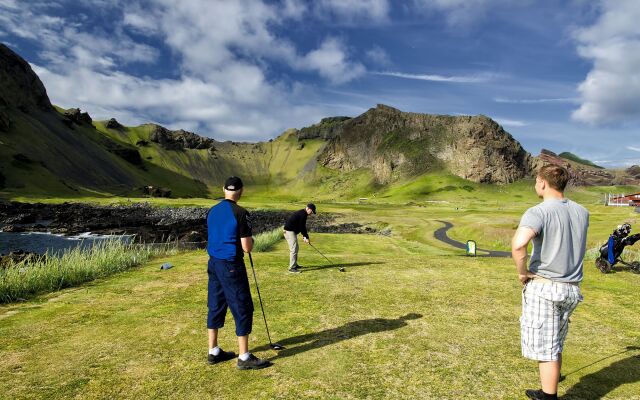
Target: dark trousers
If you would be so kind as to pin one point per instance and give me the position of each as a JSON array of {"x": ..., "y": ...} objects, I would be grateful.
[{"x": 229, "y": 287}]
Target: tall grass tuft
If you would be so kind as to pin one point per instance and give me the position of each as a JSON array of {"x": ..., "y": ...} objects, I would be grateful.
[
  {"x": 24, "y": 280},
  {"x": 266, "y": 240}
]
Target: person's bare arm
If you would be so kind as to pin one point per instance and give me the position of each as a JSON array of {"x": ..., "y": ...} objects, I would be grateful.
[
  {"x": 247, "y": 244},
  {"x": 519, "y": 245}
]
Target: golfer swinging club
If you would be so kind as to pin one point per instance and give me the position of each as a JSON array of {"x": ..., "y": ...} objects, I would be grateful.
[
  {"x": 551, "y": 291},
  {"x": 229, "y": 230},
  {"x": 297, "y": 223}
]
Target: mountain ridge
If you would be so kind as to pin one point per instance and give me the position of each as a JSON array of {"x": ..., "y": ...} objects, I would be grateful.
[{"x": 48, "y": 150}]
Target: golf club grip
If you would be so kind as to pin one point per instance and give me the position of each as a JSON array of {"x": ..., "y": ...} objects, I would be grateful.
[{"x": 255, "y": 279}]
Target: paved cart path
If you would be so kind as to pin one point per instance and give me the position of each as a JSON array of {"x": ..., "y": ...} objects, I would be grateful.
[{"x": 441, "y": 235}]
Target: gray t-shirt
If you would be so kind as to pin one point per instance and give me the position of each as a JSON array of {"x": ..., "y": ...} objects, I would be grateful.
[{"x": 560, "y": 241}]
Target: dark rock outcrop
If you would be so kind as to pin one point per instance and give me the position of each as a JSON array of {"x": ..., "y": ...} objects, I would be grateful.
[
  {"x": 180, "y": 139},
  {"x": 155, "y": 191},
  {"x": 129, "y": 155},
  {"x": 150, "y": 224},
  {"x": 396, "y": 144},
  {"x": 327, "y": 128},
  {"x": 21, "y": 158},
  {"x": 5, "y": 120},
  {"x": 114, "y": 124},
  {"x": 20, "y": 87},
  {"x": 634, "y": 171},
  {"x": 78, "y": 117},
  {"x": 14, "y": 228}
]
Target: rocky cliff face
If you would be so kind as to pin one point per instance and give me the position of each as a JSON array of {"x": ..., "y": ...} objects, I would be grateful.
[
  {"x": 20, "y": 88},
  {"x": 395, "y": 144},
  {"x": 328, "y": 128},
  {"x": 584, "y": 175},
  {"x": 634, "y": 171},
  {"x": 180, "y": 139}
]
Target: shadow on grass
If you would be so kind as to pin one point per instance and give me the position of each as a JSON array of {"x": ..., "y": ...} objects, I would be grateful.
[
  {"x": 346, "y": 265},
  {"x": 623, "y": 268},
  {"x": 600, "y": 383},
  {"x": 350, "y": 330}
]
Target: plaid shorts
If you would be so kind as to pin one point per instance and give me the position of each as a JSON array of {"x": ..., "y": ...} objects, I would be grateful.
[{"x": 546, "y": 308}]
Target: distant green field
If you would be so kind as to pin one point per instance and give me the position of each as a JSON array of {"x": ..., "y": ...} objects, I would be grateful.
[{"x": 410, "y": 318}]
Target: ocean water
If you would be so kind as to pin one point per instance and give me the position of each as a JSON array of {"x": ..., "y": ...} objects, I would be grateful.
[{"x": 41, "y": 243}]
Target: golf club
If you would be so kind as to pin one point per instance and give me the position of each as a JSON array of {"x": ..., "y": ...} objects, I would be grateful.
[
  {"x": 341, "y": 269},
  {"x": 274, "y": 346}
]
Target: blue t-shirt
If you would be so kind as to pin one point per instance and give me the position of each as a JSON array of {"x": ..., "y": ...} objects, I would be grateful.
[{"x": 227, "y": 222}]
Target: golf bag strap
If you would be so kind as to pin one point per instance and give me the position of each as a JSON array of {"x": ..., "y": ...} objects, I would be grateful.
[{"x": 610, "y": 253}]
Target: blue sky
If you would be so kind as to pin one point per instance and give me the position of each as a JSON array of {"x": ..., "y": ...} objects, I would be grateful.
[{"x": 558, "y": 75}]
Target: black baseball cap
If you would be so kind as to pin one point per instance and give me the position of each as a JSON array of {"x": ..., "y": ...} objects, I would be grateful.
[
  {"x": 233, "y": 183},
  {"x": 312, "y": 207}
]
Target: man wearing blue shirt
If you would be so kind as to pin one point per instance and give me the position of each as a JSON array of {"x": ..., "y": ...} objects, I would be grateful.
[{"x": 230, "y": 235}]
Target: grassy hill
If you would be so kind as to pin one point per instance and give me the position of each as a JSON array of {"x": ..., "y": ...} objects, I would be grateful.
[
  {"x": 41, "y": 156},
  {"x": 570, "y": 156}
]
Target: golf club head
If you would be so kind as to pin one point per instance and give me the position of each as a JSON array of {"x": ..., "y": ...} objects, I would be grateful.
[{"x": 276, "y": 346}]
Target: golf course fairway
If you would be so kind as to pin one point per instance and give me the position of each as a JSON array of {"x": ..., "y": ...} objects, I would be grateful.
[{"x": 410, "y": 318}]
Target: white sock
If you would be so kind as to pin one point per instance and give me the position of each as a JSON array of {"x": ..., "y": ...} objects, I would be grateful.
[
  {"x": 215, "y": 351},
  {"x": 245, "y": 356}
]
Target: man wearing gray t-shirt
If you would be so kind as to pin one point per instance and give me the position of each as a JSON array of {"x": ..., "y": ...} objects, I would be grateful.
[{"x": 551, "y": 291}]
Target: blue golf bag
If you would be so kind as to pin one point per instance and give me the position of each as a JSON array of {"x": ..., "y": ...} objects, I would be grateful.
[{"x": 611, "y": 252}]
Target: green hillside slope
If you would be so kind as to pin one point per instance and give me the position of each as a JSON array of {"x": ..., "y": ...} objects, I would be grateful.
[
  {"x": 570, "y": 156},
  {"x": 41, "y": 155}
]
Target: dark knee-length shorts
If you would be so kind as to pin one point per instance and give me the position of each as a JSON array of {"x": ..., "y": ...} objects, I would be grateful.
[{"x": 229, "y": 287}]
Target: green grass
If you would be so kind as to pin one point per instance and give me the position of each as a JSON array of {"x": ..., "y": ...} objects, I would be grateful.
[
  {"x": 23, "y": 281},
  {"x": 410, "y": 318},
  {"x": 266, "y": 240},
  {"x": 570, "y": 156}
]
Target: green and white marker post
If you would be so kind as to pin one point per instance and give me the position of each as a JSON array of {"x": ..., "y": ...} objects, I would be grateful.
[{"x": 471, "y": 248}]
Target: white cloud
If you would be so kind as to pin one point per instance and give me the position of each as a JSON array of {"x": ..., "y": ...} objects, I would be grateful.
[
  {"x": 459, "y": 13},
  {"x": 9, "y": 4},
  {"x": 378, "y": 56},
  {"x": 633, "y": 148},
  {"x": 244, "y": 27},
  {"x": 536, "y": 101},
  {"x": 293, "y": 9},
  {"x": 480, "y": 78},
  {"x": 621, "y": 162},
  {"x": 224, "y": 52},
  {"x": 611, "y": 90},
  {"x": 352, "y": 11},
  {"x": 187, "y": 103},
  {"x": 138, "y": 20},
  {"x": 331, "y": 61},
  {"x": 58, "y": 37},
  {"x": 510, "y": 122}
]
